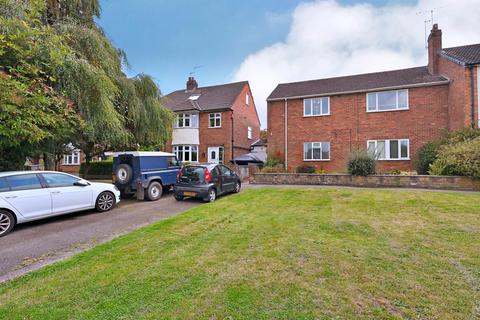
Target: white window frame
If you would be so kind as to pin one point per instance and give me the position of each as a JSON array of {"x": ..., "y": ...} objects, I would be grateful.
[
  {"x": 247, "y": 97},
  {"x": 176, "y": 150},
  {"x": 397, "y": 108},
  {"x": 250, "y": 133},
  {"x": 215, "y": 117},
  {"x": 192, "y": 120},
  {"x": 318, "y": 146},
  {"x": 387, "y": 149},
  {"x": 321, "y": 107},
  {"x": 72, "y": 158}
]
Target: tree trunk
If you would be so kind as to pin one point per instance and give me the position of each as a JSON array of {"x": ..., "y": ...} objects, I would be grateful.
[{"x": 49, "y": 161}]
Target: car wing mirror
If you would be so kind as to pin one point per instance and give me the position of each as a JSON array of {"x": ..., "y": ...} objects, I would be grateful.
[{"x": 81, "y": 183}]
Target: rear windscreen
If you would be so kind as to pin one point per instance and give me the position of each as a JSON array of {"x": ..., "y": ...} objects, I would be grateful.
[{"x": 192, "y": 174}]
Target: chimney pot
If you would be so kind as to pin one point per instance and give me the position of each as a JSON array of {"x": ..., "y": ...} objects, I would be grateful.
[{"x": 192, "y": 84}]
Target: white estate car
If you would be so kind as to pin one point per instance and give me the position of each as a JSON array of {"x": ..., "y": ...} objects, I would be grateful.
[{"x": 32, "y": 195}]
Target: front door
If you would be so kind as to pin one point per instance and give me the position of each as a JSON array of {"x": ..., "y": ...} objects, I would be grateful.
[{"x": 213, "y": 154}]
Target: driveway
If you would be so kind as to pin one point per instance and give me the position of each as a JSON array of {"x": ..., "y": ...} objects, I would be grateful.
[{"x": 35, "y": 244}]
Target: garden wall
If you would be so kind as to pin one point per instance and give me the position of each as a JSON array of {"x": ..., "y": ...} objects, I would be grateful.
[{"x": 397, "y": 181}]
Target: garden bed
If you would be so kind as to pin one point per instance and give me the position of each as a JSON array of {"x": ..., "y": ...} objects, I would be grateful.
[{"x": 397, "y": 181}]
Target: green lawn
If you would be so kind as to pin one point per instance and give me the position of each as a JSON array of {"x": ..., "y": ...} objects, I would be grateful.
[{"x": 276, "y": 254}]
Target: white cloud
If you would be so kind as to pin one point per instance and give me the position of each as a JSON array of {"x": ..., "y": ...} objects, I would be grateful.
[{"x": 328, "y": 39}]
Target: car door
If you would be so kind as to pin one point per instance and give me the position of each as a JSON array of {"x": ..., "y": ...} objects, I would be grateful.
[
  {"x": 228, "y": 179},
  {"x": 217, "y": 179},
  {"x": 66, "y": 196},
  {"x": 28, "y": 196}
]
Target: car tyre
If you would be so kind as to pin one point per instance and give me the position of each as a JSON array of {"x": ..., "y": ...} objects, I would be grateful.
[
  {"x": 7, "y": 222},
  {"x": 178, "y": 197},
  {"x": 154, "y": 191},
  {"x": 105, "y": 201},
  {"x": 211, "y": 196},
  {"x": 237, "y": 187},
  {"x": 123, "y": 174}
]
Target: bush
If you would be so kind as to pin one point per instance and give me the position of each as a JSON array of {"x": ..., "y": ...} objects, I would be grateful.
[
  {"x": 273, "y": 169},
  {"x": 360, "y": 163},
  {"x": 460, "y": 158},
  {"x": 97, "y": 168},
  {"x": 319, "y": 171},
  {"x": 305, "y": 169},
  {"x": 426, "y": 155}
]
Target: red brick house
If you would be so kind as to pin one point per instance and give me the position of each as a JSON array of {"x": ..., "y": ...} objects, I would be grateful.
[
  {"x": 213, "y": 124},
  {"x": 391, "y": 113}
]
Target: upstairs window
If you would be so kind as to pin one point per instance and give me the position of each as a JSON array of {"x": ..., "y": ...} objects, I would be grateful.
[
  {"x": 246, "y": 99},
  {"x": 72, "y": 158},
  {"x": 316, "y": 107},
  {"x": 316, "y": 151},
  {"x": 249, "y": 133},
  {"x": 214, "y": 120},
  {"x": 186, "y": 120},
  {"x": 387, "y": 100},
  {"x": 394, "y": 149}
]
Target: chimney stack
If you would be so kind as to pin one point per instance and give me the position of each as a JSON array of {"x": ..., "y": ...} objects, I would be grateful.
[
  {"x": 434, "y": 47},
  {"x": 192, "y": 84}
]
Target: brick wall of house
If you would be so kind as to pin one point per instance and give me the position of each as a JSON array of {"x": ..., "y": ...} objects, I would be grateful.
[
  {"x": 245, "y": 116},
  {"x": 459, "y": 98},
  {"x": 349, "y": 126},
  {"x": 215, "y": 137},
  {"x": 72, "y": 169}
]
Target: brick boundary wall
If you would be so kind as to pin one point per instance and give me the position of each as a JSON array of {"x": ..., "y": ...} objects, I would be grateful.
[{"x": 393, "y": 181}]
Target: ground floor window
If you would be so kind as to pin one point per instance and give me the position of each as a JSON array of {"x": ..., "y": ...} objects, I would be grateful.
[
  {"x": 316, "y": 151},
  {"x": 392, "y": 149},
  {"x": 186, "y": 153},
  {"x": 72, "y": 158}
]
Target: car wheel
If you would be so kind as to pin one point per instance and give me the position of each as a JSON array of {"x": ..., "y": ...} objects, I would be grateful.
[
  {"x": 178, "y": 197},
  {"x": 123, "y": 174},
  {"x": 154, "y": 191},
  {"x": 7, "y": 221},
  {"x": 237, "y": 187},
  {"x": 105, "y": 201},
  {"x": 212, "y": 195}
]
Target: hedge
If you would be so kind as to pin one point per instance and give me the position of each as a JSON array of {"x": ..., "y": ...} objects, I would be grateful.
[{"x": 97, "y": 168}]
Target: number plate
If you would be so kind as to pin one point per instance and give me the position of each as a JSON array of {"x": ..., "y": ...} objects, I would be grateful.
[{"x": 189, "y": 194}]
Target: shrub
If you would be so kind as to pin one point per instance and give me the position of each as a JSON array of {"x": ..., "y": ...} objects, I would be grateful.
[
  {"x": 426, "y": 155},
  {"x": 394, "y": 172},
  {"x": 273, "y": 169},
  {"x": 273, "y": 162},
  {"x": 100, "y": 168},
  {"x": 460, "y": 158},
  {"x": 305, "y": 169},
  {"x": 360, "y": 163},
  {"x": 319, "y": 171}
]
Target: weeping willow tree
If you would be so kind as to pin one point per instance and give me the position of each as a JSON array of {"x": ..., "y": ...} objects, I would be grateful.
[{"x": 57, "y": 44}]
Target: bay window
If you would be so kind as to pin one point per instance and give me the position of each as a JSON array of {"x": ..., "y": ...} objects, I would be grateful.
[
  {"x": 393, "y": 149},
  {"x": 186, "y": 153},
  {"x": 186, "y": 120},
  {"x": 316, "y": 151},
  {"x": 72, "y": 158}
]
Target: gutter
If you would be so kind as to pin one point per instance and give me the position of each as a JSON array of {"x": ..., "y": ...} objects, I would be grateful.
[
  {"x": 286, "y": 134},
  {"x": 427, "y": 84}
]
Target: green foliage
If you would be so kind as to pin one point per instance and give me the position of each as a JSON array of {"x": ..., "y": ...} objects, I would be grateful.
[
  {"x": 305, "y": 169},
  {"x": 458, "y": 158},
  {"x": 360, "y": 163},
  {"x": 100, "y": 168},
  {"x": 426, "y": 155},
  {"x": 62, "y": 82},
  {"x": 279, "y": 168}
]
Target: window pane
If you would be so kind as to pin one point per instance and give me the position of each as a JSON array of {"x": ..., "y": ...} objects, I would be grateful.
[
  {"x": 371, "y": 148},
  {"x": 387, "y": 100},
  {"x": 59, "y": 180},
  {"x": 180, "y": 120},
  {"x": 194, "y": 120},
  {"x": 212, "y": 122},
  {"x": 220, "y": 155},
  {"x": 393, "y": 149},
  {"x": 187, "y": 121},
  {"x": 371, "y": 101},
  {"x": 194, "y": 155},
  {"x": 24, "y": 182},
  {"x": 404, "y": 148},
  {"x": 219, "y": 121},
  {"x": 307, "y": 107},
  {"x": 317, "y": 152},
  {"x": 307, "y": 150},
  {"x": 325, "y": 150},
  {"x": 316, "y": 107},
  {"x": 325, "y": 106},
  {"x": 380, "y": 152},
  {"x": 3, "y": 185},
  {"x": 402, "y": 99}
]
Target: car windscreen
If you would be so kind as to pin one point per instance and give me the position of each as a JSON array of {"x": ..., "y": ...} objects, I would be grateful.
[{"x": 192, "y": 174}]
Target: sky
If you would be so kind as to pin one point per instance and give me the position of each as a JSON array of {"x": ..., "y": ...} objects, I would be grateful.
[{"x": 275, "y": 41}]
